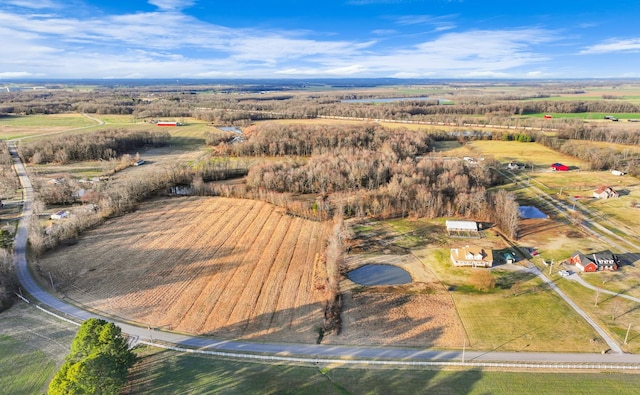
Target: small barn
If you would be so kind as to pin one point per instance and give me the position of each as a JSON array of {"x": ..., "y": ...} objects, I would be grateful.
[
  {"x": 163, "y": 123},
  {"x": 559, "y": 167},
  {"x": 60, "y": 215},
  {"x": 462, "y": 228},
  {"x": 472, "y": 256}
]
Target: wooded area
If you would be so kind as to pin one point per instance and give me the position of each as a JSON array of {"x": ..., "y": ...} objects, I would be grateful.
[{"x": 101, "y": 145}]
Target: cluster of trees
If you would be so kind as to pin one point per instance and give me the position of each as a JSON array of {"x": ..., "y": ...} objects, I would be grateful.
[
  {"x": 8, "y": 179},
  {"x": 379, "y": 185},
  {"x": 522, "y": 137},
  {"x": 305, "y": 140},
  {"x": 102, "y": 145},
  {"x": 8, "y": 280},
  {"x": 98, "y": 362}
]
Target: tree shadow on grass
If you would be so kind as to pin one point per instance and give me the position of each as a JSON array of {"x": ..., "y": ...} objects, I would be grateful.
[{"x": 174, "y": 372}]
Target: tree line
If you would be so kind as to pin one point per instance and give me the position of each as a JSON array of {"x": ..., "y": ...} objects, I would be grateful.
[{"x": 101, "y": 145}]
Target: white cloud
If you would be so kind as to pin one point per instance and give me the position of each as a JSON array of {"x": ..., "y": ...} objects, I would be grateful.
[
  {"x": 16, "y": 74},
  {"x": 169, "y": 43},
  {"x": 172, "y": 4},
  {"x": 32, "y": 4},
  {"x": 614, "y": 45}
]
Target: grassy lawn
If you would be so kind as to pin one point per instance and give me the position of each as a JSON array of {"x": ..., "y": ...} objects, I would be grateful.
[
  {"x": 32, "y": 347},
  {"x": 25, "y": 370},
  {"x": 168, "y": 372},
  {"x": 615, "y": 314}
]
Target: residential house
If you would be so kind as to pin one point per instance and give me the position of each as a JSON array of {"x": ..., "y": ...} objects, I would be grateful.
[
  {"x": 600, "y": 261},
  {"x": 473, "y": 256},
  {"x": 604, "y": 192}
]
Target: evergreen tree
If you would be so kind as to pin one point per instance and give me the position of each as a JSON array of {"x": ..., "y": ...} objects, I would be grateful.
[{"x": 97, "y": 363}]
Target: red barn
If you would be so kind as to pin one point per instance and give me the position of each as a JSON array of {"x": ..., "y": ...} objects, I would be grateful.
[
  {"x": 559, "y": 167},
  {"x": 548, "y": 116},
  {"x": 161, "y": 123}
]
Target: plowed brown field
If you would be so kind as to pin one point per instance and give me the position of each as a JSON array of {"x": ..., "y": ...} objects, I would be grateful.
[{"x": 225, "y": 267}]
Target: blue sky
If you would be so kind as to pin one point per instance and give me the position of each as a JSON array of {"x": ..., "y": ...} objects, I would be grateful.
[{"x": 319, "y": 39}]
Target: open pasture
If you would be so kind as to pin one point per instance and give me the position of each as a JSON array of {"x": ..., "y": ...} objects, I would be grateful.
[
  {"x": 17, "y": 126},
  {"x": 170, "y": 372},
  {"x": 530, "y": 153},
  {"x": 32, "y": 346},
  {"x": 225, "y": 267}
]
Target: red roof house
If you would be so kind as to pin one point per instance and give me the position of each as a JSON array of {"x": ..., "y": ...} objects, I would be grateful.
[
  {"x": 595, "y": 262},
  {"x": 559, "y": 167}
]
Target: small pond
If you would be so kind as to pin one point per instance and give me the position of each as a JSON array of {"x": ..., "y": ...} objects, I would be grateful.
[
  {"x": 379, "y": 275},
  {"x": 531, "y": 212}
]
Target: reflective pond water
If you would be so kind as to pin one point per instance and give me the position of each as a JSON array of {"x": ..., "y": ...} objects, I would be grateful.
[
  {"x": 379, "y": 275},
  {"x": 531, "y": 212}
]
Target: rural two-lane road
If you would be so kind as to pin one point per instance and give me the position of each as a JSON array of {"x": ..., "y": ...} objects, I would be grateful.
[{"x": 316, "y": 352}]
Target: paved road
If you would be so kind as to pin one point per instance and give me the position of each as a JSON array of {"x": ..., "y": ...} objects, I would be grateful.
[
  {"x": 281, "y": 349},
  {"x": 610, "y": 342},
  {"x": 577, "y": 278}
]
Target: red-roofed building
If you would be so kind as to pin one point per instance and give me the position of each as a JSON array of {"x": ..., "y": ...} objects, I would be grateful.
[
  {"x": 595, "y": 262},
  {"x": 162, "y": 123},
  {"x": 559, "y": 167}
]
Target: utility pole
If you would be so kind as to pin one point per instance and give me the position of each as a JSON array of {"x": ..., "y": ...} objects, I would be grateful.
[
  {"x": 464, "y": 346},
  {"x": 627, "y": 335},
  {"x": 51, "y": 279},
  {"x": 550, "y": 266}
]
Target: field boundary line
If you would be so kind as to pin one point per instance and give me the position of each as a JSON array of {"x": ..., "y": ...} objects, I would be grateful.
[{"x": 330, "y": 361}]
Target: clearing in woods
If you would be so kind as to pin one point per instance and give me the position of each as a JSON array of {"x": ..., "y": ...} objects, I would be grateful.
[{"x": 225, "y": 267}]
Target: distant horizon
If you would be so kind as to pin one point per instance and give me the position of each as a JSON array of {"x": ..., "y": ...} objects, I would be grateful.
[{"x": 289, "y": 39}]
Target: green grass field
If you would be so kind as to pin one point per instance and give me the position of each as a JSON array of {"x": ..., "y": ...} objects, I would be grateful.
[
  {"x": 168, "y": 372},
  {"x": 55, "y": 120},
  {"x": 25, "y": 370},
  {"x": 32, "y": 347}
]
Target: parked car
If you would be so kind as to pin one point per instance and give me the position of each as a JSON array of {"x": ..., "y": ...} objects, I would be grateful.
[{"x": 564, "y": 273}]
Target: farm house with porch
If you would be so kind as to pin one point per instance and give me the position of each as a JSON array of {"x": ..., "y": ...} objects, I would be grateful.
[{"x": 473, "y": 256}]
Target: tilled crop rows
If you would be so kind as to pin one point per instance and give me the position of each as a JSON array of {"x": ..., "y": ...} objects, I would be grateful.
[{"x": 225, "y": 267}]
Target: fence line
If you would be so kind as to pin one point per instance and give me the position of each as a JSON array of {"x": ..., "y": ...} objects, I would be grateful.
[
  {"x": 320, "y": 360},
  {"x": 317, "y": 360}
]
